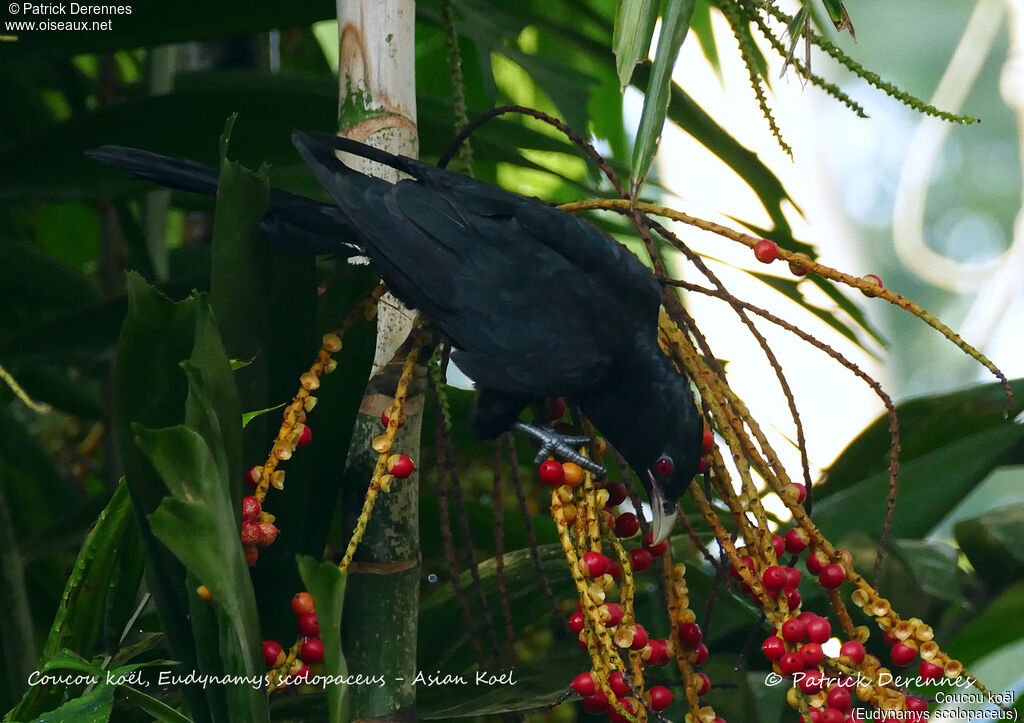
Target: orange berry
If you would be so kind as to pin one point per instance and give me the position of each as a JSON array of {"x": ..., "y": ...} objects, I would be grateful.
[
  {"x": 573, "y": 474},
  {"x": 302, "y": 603}
]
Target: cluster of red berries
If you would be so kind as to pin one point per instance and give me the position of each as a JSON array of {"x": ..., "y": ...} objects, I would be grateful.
[
  {"x": 311, "y": 651},
  {"x": 258, "y": 529},
  {"x": 767, "y": 251}
]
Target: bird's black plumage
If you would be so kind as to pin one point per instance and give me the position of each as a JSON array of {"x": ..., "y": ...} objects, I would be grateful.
[{"x": 538, "y": 303}]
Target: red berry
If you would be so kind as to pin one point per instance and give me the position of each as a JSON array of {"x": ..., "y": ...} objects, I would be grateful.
[
  {"x": 748, "y": 562},
  {"x": 874, "y": 281},
  {"x": 819, "y": 630},
  {"x": 267, "y": 533},
  {"x": 791, "y": 663},
  {"x": 639, "y": 638},
  {"x": 401, "y": 466},
  {"x": 792, "y": 577},
  {"x": 812, "y": 654},
  {"x": 700, "y": 654},
  {"x": 618, "y": 685},
  {"x": 584, "y": 684},
  {"x": 595, "y": 564},
  {"x": 385, "y": 419},
  {"x": 766, "y": 251},
  {"x": 854, "y": 650},
  {"x": 929, "y": 671},
  {"x": 640, "y": 559},
  {"x": 616, "y": 493},
  {"x": 832, "y": 576},
  {"x": 251, "y": 508},
  {"x": 581, "y": 640},
  {"x": 308, "y": 625},
  {"x": 551, "y": 472},
  {"x": 272, "y": 653},
  {"x": 839, "y": 698},
  {"x": 659, "y": 653},
  {"x": 614, "y": 569},
  {"x": 576, "y": 623},
  {"x": 302, "y": 603},
  {"x": 626, "y": 525},
  {"x": 661, "y": 697},
  {"x": 615, "y": 717},
  {"x": 773, "y": 648},
  {"x": 614, "y": 614},
  {"x": 312, "y": 651},
  {"x": 799, "y": 491},
  {"x": 831, "y": 715},
  {"x": 305, "y": 436},
  {"x": 251, "y": 533},
  {"x": 253, "y": 474},
  {"x": 779, "y": 545},
  {"x": 812, "y": 681},
  {"x": 597, "y": 703},
  {"x": 916, "y": 704},
  {"x": 816, "y": 562},
  {"x": 707, "y": 443},
  {"x": 655, "y": 550},
  {"x": 793, "y": 598},
  {"x": 690, "y": 634},
  {"x": 703, "y": 684},
  {"x": 774, "y": 578},
  {"x": 796, "y": 541},
  {"x": 815, "y": 715},
  {"x": 556, "y": 408},
  {"x": 793, "y": 631},
  {"x": 902, "y": 654}
]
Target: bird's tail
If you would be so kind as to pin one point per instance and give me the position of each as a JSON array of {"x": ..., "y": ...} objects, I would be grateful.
[
  {"x": 292, "y": 221},
  {"x": 174, "y": 173}
]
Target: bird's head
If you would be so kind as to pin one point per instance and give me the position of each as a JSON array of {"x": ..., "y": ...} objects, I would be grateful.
[{"x": 666, "y": 478}]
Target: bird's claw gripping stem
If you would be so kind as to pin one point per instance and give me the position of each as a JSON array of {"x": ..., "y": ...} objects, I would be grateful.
[{"x": 561, "y": 446}]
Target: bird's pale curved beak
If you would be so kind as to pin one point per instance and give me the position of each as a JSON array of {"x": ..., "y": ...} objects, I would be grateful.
[{"x": 664, "y": 515}]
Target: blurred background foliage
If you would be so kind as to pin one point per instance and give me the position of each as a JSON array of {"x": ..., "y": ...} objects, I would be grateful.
[{"x": 167, "y": 78}]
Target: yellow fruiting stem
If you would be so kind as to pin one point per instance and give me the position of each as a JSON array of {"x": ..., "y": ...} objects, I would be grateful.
[
  {"x": 21, "y": 394},
  {"x": 381, "y": 467}
]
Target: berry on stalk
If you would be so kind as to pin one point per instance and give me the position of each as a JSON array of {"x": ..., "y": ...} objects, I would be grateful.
[
  {"x": 273, "y": 654},
  {"x": 640, "y": 559},
  {"x": 616, "y": 493},
  {"x": 832, "y": 576},
  {"x": 584, "y": 684},
  {"x": 773, "y": 648},
  {"x": 305, "y": 436},
  {"x": 766, "y": 251},
  {"x": 308, "y": 625},
  {"x": 551, "y": 472},
  {"x": 793, "y": 631},
  {"x": 661, "y": 697},
  {"x": 595, "y": 564},
  {"x": 312, "y": 651},
  {"x": 655, "y": 550},
  {"x": 854, "y": 650},
  {"x": 302, "y": 603},
  {"x": 690, "y": 634},
  {"x": 791, "y": 663},
  {"x": 400, "y": 466},
  {"x": 902, "y": 654},
  {"x": 626, "y": 525}
]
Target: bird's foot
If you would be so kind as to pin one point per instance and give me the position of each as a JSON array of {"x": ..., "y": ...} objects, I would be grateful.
[{"x": 560, "y": 446}]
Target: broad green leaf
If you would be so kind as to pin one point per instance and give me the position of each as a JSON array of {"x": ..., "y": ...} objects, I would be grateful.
[
  {"x": 93, "y": 707},
  {"x": 675, "y": 22},
  {"x": 197, "y": 523},
  {"x": 930, "y": 485},
  {"x": 999, "y": 623},
  {"x": 634, "y": 26},
  {"x": 926, "y": 424},
  {"x": 326, "y": 583},
  {"x": 151, "y": 390},
  {"x": 992, "y": 544},
  {"x": 80, "y": 613}
]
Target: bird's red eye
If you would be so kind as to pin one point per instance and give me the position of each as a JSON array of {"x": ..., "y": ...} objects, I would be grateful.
[{"x": 664, "y": 466}]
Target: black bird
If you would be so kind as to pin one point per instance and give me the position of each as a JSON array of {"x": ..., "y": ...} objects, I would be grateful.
[{"x": 537, "y": 302}]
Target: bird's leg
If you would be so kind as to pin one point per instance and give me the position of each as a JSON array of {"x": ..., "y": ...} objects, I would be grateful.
[{"x": 561, "y": 446}]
